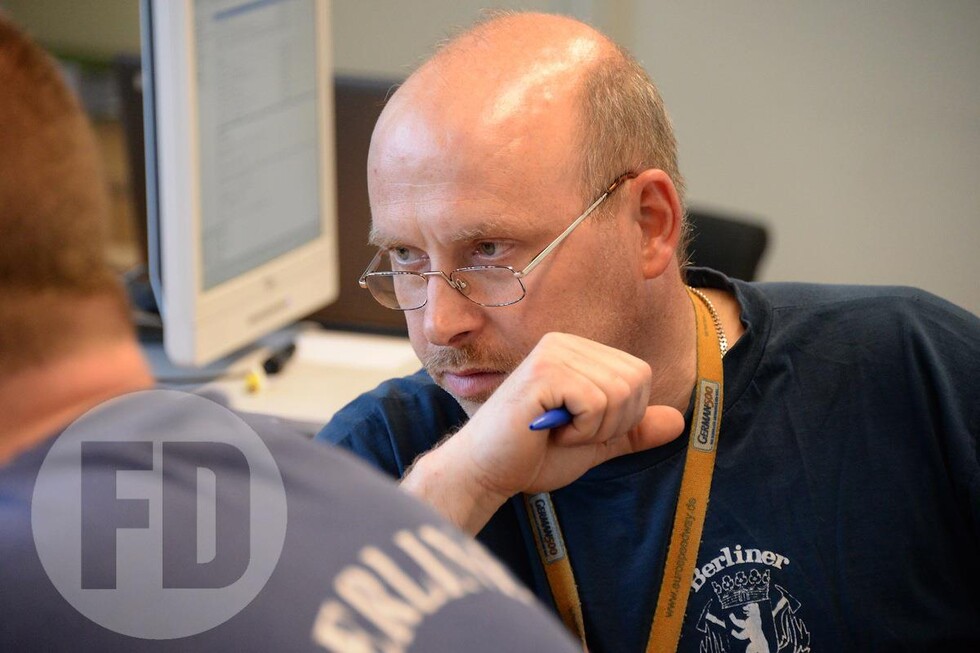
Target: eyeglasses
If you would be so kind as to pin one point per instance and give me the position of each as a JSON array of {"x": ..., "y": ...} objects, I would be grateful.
[{"x": 486, "y": 285}]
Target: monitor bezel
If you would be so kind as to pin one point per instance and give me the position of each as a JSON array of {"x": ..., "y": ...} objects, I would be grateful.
[{"x": 201, "y": 325}]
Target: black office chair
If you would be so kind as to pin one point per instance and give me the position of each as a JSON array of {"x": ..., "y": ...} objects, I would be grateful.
[{"x": 733, "y": 246}]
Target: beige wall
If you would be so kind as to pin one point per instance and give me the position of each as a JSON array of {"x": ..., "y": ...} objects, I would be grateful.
[
  {"x": 852, "y": 127},
  {"x": 93, "y": 28}
]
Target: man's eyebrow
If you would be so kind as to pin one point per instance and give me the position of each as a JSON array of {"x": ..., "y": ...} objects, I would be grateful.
[
  {"x": 379, "y": 240},
  {"x": 488, "y": 229}
]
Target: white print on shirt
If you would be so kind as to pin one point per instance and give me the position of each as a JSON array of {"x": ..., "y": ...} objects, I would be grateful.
[
  {"x": 381, "y": 601},
  {"x": 743, "y": 609}
]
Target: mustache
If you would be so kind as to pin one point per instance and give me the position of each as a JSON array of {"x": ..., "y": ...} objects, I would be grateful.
[{"x": 438, "y": 361}]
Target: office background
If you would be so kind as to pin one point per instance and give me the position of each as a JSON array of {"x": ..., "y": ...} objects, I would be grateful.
[{"x": 851, "y": 129}]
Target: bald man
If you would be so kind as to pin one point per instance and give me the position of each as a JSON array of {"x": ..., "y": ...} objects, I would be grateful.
[
  {"x": 530, "y": 222},
  {"x": 112, "y": 537}
]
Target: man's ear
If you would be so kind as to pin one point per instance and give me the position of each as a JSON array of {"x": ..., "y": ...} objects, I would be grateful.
[{"x": 660, "y": 219}]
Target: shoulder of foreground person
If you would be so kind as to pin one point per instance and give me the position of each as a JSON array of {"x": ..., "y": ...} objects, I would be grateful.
[{"x": 359, "y": 564}]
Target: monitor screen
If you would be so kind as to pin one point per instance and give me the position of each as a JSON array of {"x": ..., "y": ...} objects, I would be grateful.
[{"x": 240, "y": 169}]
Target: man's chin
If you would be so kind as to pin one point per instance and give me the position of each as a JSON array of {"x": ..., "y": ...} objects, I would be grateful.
[
  {"x": 470, "y": 404},
  {"x": 470, "y": 407}
]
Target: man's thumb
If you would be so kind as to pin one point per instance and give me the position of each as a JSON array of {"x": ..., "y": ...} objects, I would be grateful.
[{"x": 660, "y": 425}]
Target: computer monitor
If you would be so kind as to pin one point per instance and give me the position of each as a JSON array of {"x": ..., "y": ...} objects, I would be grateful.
[{"x": 240, "y": 168}]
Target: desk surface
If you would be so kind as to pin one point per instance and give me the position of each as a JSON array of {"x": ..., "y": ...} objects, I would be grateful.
[{"x": 328, "y": 370}]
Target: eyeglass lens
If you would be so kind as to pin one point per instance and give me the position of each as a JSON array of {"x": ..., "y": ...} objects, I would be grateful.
[{"x": 487, "y": 286}]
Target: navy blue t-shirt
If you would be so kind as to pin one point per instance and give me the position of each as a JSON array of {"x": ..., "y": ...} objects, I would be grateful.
[
  {"x": 845, "y": 504},
  {"x": 362, "y": 567}
]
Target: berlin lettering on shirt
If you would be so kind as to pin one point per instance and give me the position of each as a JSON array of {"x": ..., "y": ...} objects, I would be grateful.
[
  {"x": 741, "y": 602},
  {"x": 738, "y": 556}
]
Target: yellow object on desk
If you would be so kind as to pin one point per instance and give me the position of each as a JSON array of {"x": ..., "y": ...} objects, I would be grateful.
[{"x": 255, "y": 380}]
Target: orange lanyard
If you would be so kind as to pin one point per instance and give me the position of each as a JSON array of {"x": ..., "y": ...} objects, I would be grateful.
[{"x": 692, "y": 506}]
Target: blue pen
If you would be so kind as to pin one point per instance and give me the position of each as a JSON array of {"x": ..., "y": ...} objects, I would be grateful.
[{"x": 551, "y": 419}]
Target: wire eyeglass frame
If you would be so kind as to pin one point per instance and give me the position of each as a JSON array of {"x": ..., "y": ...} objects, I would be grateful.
[{"x": 456, "y": 279}]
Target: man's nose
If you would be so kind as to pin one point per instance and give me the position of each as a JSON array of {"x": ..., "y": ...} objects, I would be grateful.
[{"x": 449, "y": 316}]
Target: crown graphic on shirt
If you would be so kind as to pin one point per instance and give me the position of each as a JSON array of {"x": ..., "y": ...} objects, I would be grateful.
[{"x": 742, "y": 588}]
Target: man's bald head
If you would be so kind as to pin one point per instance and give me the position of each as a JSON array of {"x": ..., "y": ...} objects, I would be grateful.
[
  {"x": 510, "y": 64},
  {"x": 520, "y": 71}
]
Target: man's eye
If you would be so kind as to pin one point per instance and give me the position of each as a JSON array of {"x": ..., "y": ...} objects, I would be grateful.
[
  {"x": 489, "y": 248},
  {"x": 403, "y": 255}
]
